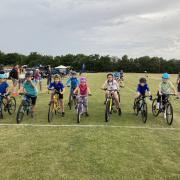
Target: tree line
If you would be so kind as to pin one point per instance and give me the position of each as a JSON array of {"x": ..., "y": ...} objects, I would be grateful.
[{"x": 94, "y": 63}]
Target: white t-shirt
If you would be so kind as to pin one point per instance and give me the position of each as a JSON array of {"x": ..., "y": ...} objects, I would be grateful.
[{"x": 111, "y": 86}]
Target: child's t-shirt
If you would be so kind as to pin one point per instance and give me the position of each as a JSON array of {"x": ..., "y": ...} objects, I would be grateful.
[
  {"x": 57, "y": 86},
  {"x": 166, "y": 88},
  {"x": 143, "y": 89},
  {"x": 83, "y": 90},
  {"x": 3, "y": 87},
  {"x": 30, "y": 89}
]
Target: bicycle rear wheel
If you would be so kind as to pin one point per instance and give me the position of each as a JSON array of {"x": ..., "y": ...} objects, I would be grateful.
[
  {"x": 169, "y": 114},
  {"x": 107, "y": 111},
  {"x": 70, "y": 102},
  {"x": 20, "y": 114},
  {"x": 51, "y": 112},
  {"x": 155, "y": 110},
  {"x": 144, "y": 112},
  {"x": 12, "y": 105}
]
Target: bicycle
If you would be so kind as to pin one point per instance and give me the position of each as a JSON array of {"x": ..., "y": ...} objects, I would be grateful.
[
  {"x": 8, "y": 106},
  {"x": 81, "y": 106},
  {"x": 24, "y": 107},
  {"x": 164, "y": 106},
  {"x": 72, "y": 100},
  {"x": 110, "y": 102},
  {"x": 141, "y": 105},
  {"x": 54, "y": 107}
]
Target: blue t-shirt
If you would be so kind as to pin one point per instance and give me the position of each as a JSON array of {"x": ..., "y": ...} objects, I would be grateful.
[
  {"x": 143, "y": 89},
  {"x": 30, "y": 89},
  {"x": 59, "y": 86},
  {"x": 3, "y": 87},
  {"x": 73, "y": 81}
]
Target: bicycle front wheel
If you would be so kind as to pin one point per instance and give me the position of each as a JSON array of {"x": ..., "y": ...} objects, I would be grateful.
[
  {"x": 12, "y": 105},
  {"x": 79, "y": 109},
  {"x": 169, "y": 114},
  {"x": 20, "y": 114},
  {"x": 51, "y": 112},
  {"x": 155, "y": 108},
  {"x": 144, "y": 112},
  {"x": 107, "y": 111}
]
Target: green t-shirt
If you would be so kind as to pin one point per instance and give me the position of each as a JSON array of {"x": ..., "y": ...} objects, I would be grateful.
[
  {"x": 166, "y": 87},
  {"x": 30, "y": 89}
]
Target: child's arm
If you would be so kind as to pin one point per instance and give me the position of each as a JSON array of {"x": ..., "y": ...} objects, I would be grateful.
[
  {"x": 68, "y": 82},
  {"x": 89, "y": 91},
  {"x": 76, "y": 90}
]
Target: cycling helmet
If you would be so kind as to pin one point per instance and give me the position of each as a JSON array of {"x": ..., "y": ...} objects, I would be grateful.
[
  {"x": 2, "y": 76},
  {"x": 142, "y": 80},
  {"x": 116, "y": 74},
  {"x": 57, "y": 76},
  {"x": 28, "y": 74},
  {"x": 165, "y": 76},
  {"x": 83, "y": 80},
  {"x": 110, "y": 74}
]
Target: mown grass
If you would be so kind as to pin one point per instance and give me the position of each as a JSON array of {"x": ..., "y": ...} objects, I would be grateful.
[{"x": 92, "y": 152}]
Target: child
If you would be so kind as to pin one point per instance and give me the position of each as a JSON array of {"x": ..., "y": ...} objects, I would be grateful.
[
  {"x": 57, "y": 87},
  {"x": 74, "y": 83},
  {"x": 178, "y": 85},
  {"x": 111, "y": 86},
  {"x": 4, "y": 87},
  {"x": 30, "y": 90},
  {"x": 84, "y": 91},
  {"x": 165, "y": 87},
  {"x": 142, "y": 89}
]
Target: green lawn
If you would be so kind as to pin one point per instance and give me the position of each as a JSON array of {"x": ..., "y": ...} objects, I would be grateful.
[{"x": 103, "y": 152}]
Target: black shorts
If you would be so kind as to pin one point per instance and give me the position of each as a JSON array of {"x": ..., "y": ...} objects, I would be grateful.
[
  {"x": 33, "y": 99},
  {"x": 178, "y": 88},
  {"x": 60, "y": 95}
]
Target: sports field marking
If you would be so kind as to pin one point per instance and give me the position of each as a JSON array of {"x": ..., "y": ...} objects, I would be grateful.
[{"x": 89, "y": 126}]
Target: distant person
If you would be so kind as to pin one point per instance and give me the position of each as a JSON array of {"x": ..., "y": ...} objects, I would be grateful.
[
  {"x": 38, "y": 78},
  {"x": 14, "y": 76},
  {"x": 121, "y": 73},
  {"x": 2, "y": 69},
  {"x": 178, "y": 85},
  {"x": 49, "y": 75},
  {"x": 146, "y": 74}
]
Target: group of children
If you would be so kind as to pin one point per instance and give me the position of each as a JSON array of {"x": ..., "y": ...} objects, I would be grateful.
[{"x": 80, "y": 86}]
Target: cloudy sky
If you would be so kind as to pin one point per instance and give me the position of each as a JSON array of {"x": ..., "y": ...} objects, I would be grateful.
[{"x": 115, "y": 27}]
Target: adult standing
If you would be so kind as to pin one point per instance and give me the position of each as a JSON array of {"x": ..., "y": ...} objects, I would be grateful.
[
  {"x": 178, "y": 85},
  {"x": 49, "y": 75},
  {"x": 14, "y": 75},
  {"x": 38, "y": 78}
]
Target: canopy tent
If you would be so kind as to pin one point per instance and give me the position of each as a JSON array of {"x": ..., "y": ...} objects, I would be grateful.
[{"x": 61, "y": 67}]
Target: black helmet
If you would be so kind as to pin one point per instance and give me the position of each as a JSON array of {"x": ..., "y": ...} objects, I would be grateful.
[
  {"x": 142, "y": 80},
  {"x": 28, "y": 74}
]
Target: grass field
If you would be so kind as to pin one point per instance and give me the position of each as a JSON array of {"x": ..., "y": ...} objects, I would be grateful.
[{"x": 124, "y": 148}]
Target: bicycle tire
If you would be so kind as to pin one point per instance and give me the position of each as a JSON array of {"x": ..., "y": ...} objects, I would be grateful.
[
  {"x": 78, "y": 114},
  {"x": 155, "y": 111},
  {"x": 135, "y": 107},
  {"x": 169, "y": 121},
  {"x": 144, "y": 111},
  {"x": 20, "y": 114},
  {"x": 50, "y": 112},
  {"x": 12, "y": 105},
  {"x": 107, "y": 111}
]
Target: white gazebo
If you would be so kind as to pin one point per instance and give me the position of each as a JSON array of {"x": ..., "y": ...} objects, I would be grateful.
[{"x": 61, "y": 67}]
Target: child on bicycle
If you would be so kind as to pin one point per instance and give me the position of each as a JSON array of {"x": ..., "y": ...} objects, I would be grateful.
[
  {"x": 4, "y": 88},
  {"x": 73, "y": 81},
  {"x": 142, "y": 89},
  {"x": 111, "y": 87},
  {"x": 30, "y": 90},
  {"x": 84, "y": 91},
  {"x": 166, "y": 87},
  {"x": 57, "y": 87}
]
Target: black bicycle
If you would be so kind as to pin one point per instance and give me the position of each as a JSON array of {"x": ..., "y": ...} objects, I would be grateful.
[
  {"x": 110, "y": 105},
  {"x": 72, "y": 100},
  {"x": 24, "y": 108},
  {"x": 140, "y": 105},
  {"x": 164, "y": 106},
  {"x": 8, "y": 105}
]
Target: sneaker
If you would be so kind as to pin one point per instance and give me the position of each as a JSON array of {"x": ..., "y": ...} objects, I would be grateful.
[
  {"x": 87, "y": 114},
  {"x": 63, "y": 114}
]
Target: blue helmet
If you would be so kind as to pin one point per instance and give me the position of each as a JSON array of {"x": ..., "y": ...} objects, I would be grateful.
[
  {"x": 3, "y": 76},
  {"x": 165, "y": 76},
  {"x": 116, "y": 74}
]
